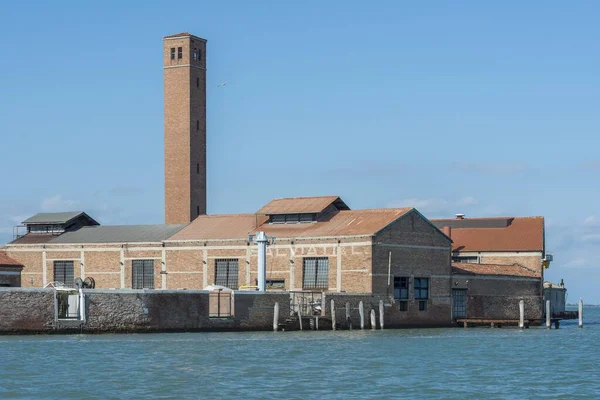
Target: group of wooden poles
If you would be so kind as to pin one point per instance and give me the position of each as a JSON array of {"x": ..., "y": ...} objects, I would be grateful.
[
  {"x": 381, "y": 308},
  {"x": 361, "y": 312},
  {"x": 548, "y": 314}
]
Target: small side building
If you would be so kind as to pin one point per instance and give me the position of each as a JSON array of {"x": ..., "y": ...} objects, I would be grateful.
[
  {"x": 10, "y": 271},
  {"x": 493, "y": 292}
]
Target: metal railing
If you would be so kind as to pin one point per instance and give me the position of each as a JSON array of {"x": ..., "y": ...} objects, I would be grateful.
[{"x": 307, "y": 303}]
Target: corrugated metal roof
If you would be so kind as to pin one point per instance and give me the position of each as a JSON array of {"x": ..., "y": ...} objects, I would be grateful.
[
  {"x": 238, "y": 226},
  {"x": 53, "y": 218},
  {"x": 227, "y": 226},
  {"x": 493, "y": 269},
  {"x": 6, "y": 261},
  {"x": 301, "y": 205},
  {"x": 521, "y": 234},
  {"x": 118, "y": 234}
]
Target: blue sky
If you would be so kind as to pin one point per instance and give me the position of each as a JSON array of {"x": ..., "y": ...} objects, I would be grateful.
[{"x": 484, "y": 109}]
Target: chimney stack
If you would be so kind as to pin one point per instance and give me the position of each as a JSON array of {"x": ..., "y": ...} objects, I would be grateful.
[{"x": 447, "y": 231}]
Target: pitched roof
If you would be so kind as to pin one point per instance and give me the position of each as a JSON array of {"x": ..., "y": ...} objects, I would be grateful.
[
  {"x": 56, "y": 218},
  {"x": 228, "y": 226},
  {"x": 495, "y": 234},
  {"x": 33, "y": 239},
  {"x": 493, "y": 269},
  {"x": 301, "y": 205},
  {"x": 118, "y": 234},
  {"x": 6, "y": 261},
  {"x": 239, "y": 226}
]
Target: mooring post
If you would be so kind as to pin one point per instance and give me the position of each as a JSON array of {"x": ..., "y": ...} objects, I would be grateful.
[
  {"x": 276, "y": 317},
  {"x": 548, "y": 315},
  {"x": 300, "y": 317},
  {"x": 373, "y": 320},
  {"x": 522, "y": 314},
  {"x": 361, "y": 311},
  {"x": 381, "y": 314},
  {"x": 580, "y": 313},
  {"x": 348, "y": 320},
  {"x": 333, "y": 315}
]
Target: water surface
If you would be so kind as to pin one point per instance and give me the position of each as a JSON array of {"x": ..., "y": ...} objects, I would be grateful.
[{"x": 455, "y": 363}]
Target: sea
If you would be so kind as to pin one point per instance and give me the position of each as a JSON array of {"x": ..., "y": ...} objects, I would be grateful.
[{"x": 453, "y": 363}]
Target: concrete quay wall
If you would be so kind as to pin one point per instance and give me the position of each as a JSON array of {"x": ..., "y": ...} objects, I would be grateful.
[{"x": 25, "y": 310}]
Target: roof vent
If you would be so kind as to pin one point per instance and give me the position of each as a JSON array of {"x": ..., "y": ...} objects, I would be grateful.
[{"x": 460, "y": 216}]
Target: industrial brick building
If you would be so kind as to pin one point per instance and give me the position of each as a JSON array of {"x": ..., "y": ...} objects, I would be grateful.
[{"x": 430, "y": 272}]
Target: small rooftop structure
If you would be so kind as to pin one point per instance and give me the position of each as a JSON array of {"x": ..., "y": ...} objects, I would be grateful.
[
  {"x": 43, "y": 227},
  {"x": 58, "y": 218},
  {"x": 302, "y": 205}
]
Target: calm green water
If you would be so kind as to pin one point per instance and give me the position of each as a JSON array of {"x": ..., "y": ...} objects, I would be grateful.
[{"x": 431, "y": 363}]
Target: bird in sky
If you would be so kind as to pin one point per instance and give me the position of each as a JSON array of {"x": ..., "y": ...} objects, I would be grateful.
[{"x": 222, "y": 84}]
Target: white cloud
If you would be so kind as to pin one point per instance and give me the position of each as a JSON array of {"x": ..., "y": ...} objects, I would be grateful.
[
  {"x": 491, "y": 168},
  {"x": 435, "y": 205},
  {"x": 591, "y": 237},
  {"x": 592, "y": 220},
  {"x": 57, "y": 204},
  {"x": 431, "y": 205},
  {"x": 467, "y": 201}
]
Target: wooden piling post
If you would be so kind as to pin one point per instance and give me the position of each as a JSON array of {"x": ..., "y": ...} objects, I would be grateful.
[
  {"x": 348, "y": 319},
  {"x": 333, "y": 315},
  {"x": 317, "y": 322},
  {"x": 361, "y": 311},
  {"x": 522, "y": 314},
  {"x": 276, "y": 317},
  {"x": 381, "y": 314},
  {"x": 300, "y": 317},
  {"x": 580, "y": 313},
  {"x": 373, "y": 320},
  {"x": 548, "y": 315}
]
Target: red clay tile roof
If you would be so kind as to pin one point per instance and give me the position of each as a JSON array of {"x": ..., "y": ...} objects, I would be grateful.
[
  {"x": 6, "y": 261},
  {"x": 521, "y": 234},
  {"x": 34, "y": 239},
  {"x": 298, "y": 205},
  {"x": 228, "y": 226},
  {"x": 238, "y": 226},
  {"x": 493, "y": 269}
]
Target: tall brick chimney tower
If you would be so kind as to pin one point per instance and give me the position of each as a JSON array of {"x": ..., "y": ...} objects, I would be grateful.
[{"x": 184, "y": 60}]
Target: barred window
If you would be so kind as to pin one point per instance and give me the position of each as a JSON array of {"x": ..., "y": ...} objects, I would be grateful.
[
  {"x": 180, "y": 53},
  {"x": 226, "y": 273},
  {"x": 172, "y": 53},
  {"x": 421, "y": 288},
  {"x": 142, "y": 274},
  {"x": 401, "y": 288},
  {"x": 64, "y": 272},
  {"x": 316, "y": 273}
]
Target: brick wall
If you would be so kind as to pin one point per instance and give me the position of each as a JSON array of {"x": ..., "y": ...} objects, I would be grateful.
[{"x": 492, "y": 297}]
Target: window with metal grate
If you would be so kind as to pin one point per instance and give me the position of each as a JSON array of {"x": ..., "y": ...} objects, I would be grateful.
[
  {"x": 142, "y": 276},
  {"x": 226, "y": 273},
  {"x": 315, "y": 273},
  {"x": 64, "y": 272}
]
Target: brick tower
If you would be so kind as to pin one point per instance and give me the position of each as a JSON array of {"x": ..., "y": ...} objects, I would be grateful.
[{"x": 184, "y": 60}]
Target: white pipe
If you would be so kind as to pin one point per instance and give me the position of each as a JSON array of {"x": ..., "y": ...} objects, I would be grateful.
[{"x": 261, "y": 240}]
